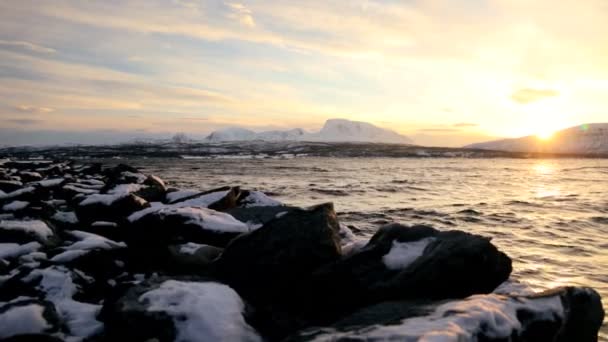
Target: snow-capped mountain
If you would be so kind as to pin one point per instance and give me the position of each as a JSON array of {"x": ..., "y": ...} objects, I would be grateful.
[
  {"x": 583, "y": 139},
  {"x": 334, "y": 130}
]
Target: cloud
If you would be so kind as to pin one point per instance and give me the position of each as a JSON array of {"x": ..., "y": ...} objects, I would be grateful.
[
  {"x": 529, "y": 95},
  {"x": 34, "y": 109},
  {"x": 241, "y": 13},
  {"x": 439, "y": 130},
  {"x": 27, "y": 46},
  {"x": 465, "y": 124},
  {"x": 24, "y": 122}
]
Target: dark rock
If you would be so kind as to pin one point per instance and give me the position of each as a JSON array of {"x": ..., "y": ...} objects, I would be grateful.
[
  {"x": 453, "y": 264},
  {"x": 258, "y": 215},
  {"x": 154, "y": 191},
  {"x": 109, "y": 207},
  {"x": 191, "y": 258},
  {"x": 559, "y": 315},
  {"x": 230, "y": 200},
  {"x": 10, "y": 186},
  {"x": 27, "y": 176},
  {"x": 266, "y": 265}
]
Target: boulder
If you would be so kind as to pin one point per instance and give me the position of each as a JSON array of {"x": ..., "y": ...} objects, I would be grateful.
[
  {"x": 155, "y": 189},
  {"x": 178, "y": 310},
  {"x": 24, "y": 231},
  {"x": 191, "y": 258},
  {"x": 560, "y": 315},
  {"x": 403, "y": 263},
  {"x": 10, "y": 186},
  {"x": 112, "y": 207},
  {"x": 266, "y": 264}
]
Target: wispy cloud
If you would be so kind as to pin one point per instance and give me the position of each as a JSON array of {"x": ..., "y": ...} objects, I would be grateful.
[
  {"x": 465, "y": 124},
  {"x": 27, "y": 46},
  {"x": 528, "y": 95}
]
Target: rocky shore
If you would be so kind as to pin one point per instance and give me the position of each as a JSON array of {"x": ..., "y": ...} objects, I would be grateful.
[{"x": 93, "y": 253}]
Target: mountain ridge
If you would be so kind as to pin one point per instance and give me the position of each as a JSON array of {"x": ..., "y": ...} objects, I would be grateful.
[
  {"x": 589, "y": 138},
  {"x": 334, "y": 130}
]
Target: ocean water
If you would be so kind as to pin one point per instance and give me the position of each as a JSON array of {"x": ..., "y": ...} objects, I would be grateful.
[{"x": 549, "y": 215}]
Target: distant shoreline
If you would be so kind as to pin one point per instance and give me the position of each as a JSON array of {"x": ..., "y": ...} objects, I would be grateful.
[{"x": 269, "y": 150}]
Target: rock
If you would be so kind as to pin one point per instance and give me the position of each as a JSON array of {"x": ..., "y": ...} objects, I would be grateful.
[
  {"x": 249, "y": 199},
  {"x": 258, "y": 215},
  {"x": 219, "y": 199},
  {"x": 10, "y": 186},
  {"x": 564, "y": 314},
  {"x": 113, "y": 207},
  {"x": 191, "y": 258},
  {"x": 403, "y": 263},
  {"x": 24, "y": 317},
  {"x": 169, "y": 225},
  {"x": 27, "y": 176},
  {"x": 154, "y": 191},
  {"x": 24, "y": 231},
  {"x": 175, "y": 310},
  {"x": 266, "y": 264}
]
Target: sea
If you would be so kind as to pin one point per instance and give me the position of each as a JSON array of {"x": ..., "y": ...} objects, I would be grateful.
[{"x": 549, "y": 215}]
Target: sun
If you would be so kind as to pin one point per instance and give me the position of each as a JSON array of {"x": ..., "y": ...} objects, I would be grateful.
[{"x": 545, "y": 135}]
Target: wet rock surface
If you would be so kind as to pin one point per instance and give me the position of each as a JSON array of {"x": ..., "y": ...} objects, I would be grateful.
[{"x": 94, "y": 253}]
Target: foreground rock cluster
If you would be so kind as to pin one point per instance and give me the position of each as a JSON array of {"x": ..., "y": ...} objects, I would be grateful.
[{"x": 109, "y": 254}]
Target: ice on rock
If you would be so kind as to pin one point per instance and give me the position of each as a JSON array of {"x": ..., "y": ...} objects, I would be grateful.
[
  {"x": 402, "y": 254},
  {"x": 204, "y": 311}
]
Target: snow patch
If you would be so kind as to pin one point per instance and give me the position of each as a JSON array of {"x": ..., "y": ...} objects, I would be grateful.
[
  {"x": 201, "y": 311},
  {"x": 15, "y": 205},
  {"x": 259, "y": 199},
  {"x": 36, "y": 227},
  {"x": 402, "y": 254},
  {"x": 66, "y": 217},
  {"x": 13, "y": 250},
  {"x": 178, "y": 195},
  {"x": 26, "y": 319},
  {"x": 104, "y": 199},
  {"x": 49, "y": 183}
]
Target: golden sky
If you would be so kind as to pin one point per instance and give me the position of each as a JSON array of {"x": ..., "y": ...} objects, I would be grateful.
[{"x": 443, "y": 73}]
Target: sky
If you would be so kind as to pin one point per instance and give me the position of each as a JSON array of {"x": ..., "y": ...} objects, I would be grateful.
[{"x": 443, "y": 73}]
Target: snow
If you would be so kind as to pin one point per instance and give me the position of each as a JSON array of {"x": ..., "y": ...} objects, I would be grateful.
[
  {"x": 36, "y": 227},
  {"x": 202, "y": 201},
  {"x": 25, "y": 319},
  {"x": 259, "y": 199},
  {"x": 178, "y": 195},
  {"x": 15, "y": 205},
  {"x": 334, "y": 130},
  {"x": 140, "y": 178},
  {"x": 103, "y": 224},
  {"x": 190, "y": 247},
  {"x": 56, "y": 282},
  {"x": 78, "y": 189},
  {"x": 402, "y": 254},
  {"x": 125, "y": 189},
  {"x": 13, "y": 250},
  {"x": 495, "y": 315},
  {"x": 17, "y": 192},
  {"x": 66, "y": 217},
  {"x": 105, "y": 199},
  {"x": 204, "y": 311},
  {"x": 205, "y": 218},
  {"x": 157, "y": 180},
  {"x": 49, "y": 183},
  {"x": 87, "y": 242}
]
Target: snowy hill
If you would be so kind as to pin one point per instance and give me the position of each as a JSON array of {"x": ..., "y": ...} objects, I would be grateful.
[
  {"x": 584, "y": 139},
  {"x": 334, "y": 130}
]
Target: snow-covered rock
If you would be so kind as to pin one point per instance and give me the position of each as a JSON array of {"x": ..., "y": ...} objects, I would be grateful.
[
  {"x": 21, "y": 230},
  {"x": 584, "y": 139}
]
